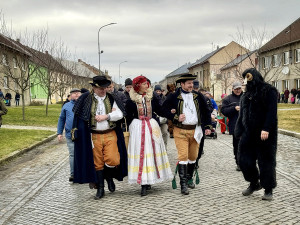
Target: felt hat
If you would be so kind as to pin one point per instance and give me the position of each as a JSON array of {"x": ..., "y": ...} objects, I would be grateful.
[{"x": 100, "y": 81}]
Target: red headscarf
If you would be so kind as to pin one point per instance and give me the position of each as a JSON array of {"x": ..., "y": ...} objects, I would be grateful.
[{"x": 136, "y": 82}]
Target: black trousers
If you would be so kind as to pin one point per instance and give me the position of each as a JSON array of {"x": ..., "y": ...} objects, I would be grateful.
[
  {"x": 252, "y": 150},
  {"x": 235, "y": 143}
]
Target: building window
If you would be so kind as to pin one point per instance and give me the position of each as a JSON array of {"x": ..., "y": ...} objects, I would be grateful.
[
  {"x": 285, "y": 84},
  {"x": 297, "y": 55},
  {"x": 228, "y": 74},
  {"x": 5, "y": 82},
  {"x": 15, "y": 62},
  {"x": 4, "y": 59},
  {"x": 23, "y": 65},
  {"x": 286, "y": 58},
  {"x": 275, "y": 61},
  {"x": 16, "y": 84},
  {"x": 266, "y": 62},
  {"x": 297, "y": 81},
  {"x": 275, "y": 84}
]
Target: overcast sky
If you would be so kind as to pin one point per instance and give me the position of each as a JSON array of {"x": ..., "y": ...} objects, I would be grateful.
[{"x": 154, "y": 36}]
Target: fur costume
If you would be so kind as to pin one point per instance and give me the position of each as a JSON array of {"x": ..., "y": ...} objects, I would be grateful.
[{"x": 258, "y": 113}]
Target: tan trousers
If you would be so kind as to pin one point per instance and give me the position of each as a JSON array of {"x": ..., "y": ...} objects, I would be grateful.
[
  {"x": 105, "y": 150},
  {"x": 186, "y": 144}
]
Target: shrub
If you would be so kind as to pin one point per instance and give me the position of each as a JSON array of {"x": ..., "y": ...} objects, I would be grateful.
[{"x": 36, "y": 103}]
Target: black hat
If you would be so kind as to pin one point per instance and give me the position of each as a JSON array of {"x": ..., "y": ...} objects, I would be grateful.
[
  {"x": 157, "y": 88},
  {"x": 128, "y": 81},
  {"x": 100, "y": 81},
  {"x": 83, "y": 90},
  {"x": 196, "y": 83},
  {"x": 185, "y": 77}
]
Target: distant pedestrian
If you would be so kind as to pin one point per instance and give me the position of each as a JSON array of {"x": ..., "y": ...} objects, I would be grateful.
[
  {"x": 231, "y": 109},
  {"x": 257, "y": 128},
  {"x": 67, "y": 100},
  {"x": 171, "y": 89},
  {"x": 161, "y": 120},
  {"x": 128, "y": 86},
  {"x": 65, "y": 121},
  {"x": 286, "y": 95},
  {"x": 224, "y": 121},
  {"x": 3, "y": 110},
  {"x": 1, "y": 95},
  {"x": 17, "y": 98},
  {"x": 8, "y": 98},
  {"x": 282, "y": 96},
  {"x": 298, "y": 96}
]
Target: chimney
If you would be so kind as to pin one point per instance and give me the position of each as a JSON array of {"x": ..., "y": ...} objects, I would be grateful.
[
  {"x": 217, "y": 46},
  {"x": 46, "y": 52},
  {"x": 18, "y": 40},
  {"x": 79, "y": 60}
]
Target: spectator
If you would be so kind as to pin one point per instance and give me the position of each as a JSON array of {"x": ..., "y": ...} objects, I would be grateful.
[
  {"x": 286, "y": 95},
  {"x": 171, "y": 89},
  {"x": 67, "y": 100},
  {"x": 231, "y": 109},
  {"x": 298, "y": 96},
  {"x": 17, "y": 98},
  {"x": 3, "y": 110},
  {"x": 128, "y": 86},
  {"x": 162, "y": 121},
  {"x": 65, "y": 121},
  {"x": 1, "y": 94},
  {"x": 214, "y": 104},
  {"x": 8, "y": 98}
]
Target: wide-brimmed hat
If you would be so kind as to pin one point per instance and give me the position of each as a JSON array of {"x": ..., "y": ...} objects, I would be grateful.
[
  {"x": 185, "y": 77},
  {"x": 100, "y": 81}
]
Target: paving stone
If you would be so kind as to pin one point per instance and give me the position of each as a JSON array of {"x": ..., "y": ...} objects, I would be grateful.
[{"x": 34, "y": 189}]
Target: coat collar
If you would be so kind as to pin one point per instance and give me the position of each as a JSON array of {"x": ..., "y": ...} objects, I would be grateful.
[{"x": 137, "y": 98}]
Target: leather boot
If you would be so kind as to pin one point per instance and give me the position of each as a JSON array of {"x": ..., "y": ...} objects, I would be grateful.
[
  {"x": 100, "y": 185},
  {"x": 190, "y": 173},
  {"x": 268, "y": 195},
  {"x": 144, "y": 190},
  {"x": 255, "y": 186},
  {"x": 182, "y": 171},
  {"x": 109, "y": 178}
]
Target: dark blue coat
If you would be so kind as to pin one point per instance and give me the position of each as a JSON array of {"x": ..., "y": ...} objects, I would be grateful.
[{"x": 84, "y": 169}]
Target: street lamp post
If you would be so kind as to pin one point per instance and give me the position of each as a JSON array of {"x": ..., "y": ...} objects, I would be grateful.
[
  {"x": 119, "y": 71},
  {"x": 99, "y": 52}
]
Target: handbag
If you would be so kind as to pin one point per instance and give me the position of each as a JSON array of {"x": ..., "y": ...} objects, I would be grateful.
[{"x": 126, "y": 135}]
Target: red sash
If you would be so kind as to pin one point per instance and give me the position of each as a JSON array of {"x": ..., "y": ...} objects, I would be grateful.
[{"x": 142, "y": 150}]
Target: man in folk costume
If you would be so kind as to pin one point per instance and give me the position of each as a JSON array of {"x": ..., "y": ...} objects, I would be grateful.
[
  {"x": 147, "y": 157},
  {"x": 100, "y": 151},
  {"x": 191, "y": 112}
]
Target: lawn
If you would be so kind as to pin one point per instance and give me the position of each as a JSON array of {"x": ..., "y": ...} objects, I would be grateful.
[
  {"x": 12, "y": 139},
  {"x": 287, "y": 106},
  {"x": 34, "y": 116},
  {"x": 289, "y": 120}
]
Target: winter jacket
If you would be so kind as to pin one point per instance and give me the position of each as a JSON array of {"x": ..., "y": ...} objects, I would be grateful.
[{"x": 228, "y": 109}]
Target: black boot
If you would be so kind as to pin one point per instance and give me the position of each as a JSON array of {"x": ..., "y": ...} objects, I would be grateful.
[
  {"x": 109, "y": 178},
  {"x": 182, "y": 171},
  {"x": 100, "y": 185},
  {"x": 255, "y": 186},
  {"x": 144, "y": 190},
  {"x": 190, "y": 173},
  {"x": 148, "y": 187},
  {"x": 268, "y": 195}
]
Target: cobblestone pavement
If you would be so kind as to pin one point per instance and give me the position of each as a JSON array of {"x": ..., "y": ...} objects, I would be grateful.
[{"x": 34, "y": 189}]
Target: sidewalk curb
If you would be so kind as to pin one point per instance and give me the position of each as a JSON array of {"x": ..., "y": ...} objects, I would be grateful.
[
  {"x": 289, "y": 133},
  {"x": 22, "y": 151}
]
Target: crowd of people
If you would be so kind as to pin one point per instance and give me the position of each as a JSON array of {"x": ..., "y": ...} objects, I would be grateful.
[
  {"x": 94, "y": 122},
  {"x": 293, "y": 96}
]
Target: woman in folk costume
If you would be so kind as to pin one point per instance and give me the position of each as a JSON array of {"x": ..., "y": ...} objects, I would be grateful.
[{"x": 147, "y": 157}]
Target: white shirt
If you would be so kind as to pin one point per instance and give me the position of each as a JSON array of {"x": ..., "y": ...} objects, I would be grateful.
[
  {"x": 189, "y": 109},
  {"x": 114, "y": 115}
]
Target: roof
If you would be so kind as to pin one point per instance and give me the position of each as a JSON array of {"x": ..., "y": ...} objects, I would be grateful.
[
  {"x": 12, "y": 44},
  {"x": 205, "y": 58},
  {"x": 238, "y": 60},
  {"x": 77, "y": 68},
  {"x": 179, "y": 71},
  {"x": 289, "y": 35}
]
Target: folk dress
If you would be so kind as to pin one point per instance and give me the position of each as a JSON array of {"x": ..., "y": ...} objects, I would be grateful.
[{"x": 148, "y": 161}]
